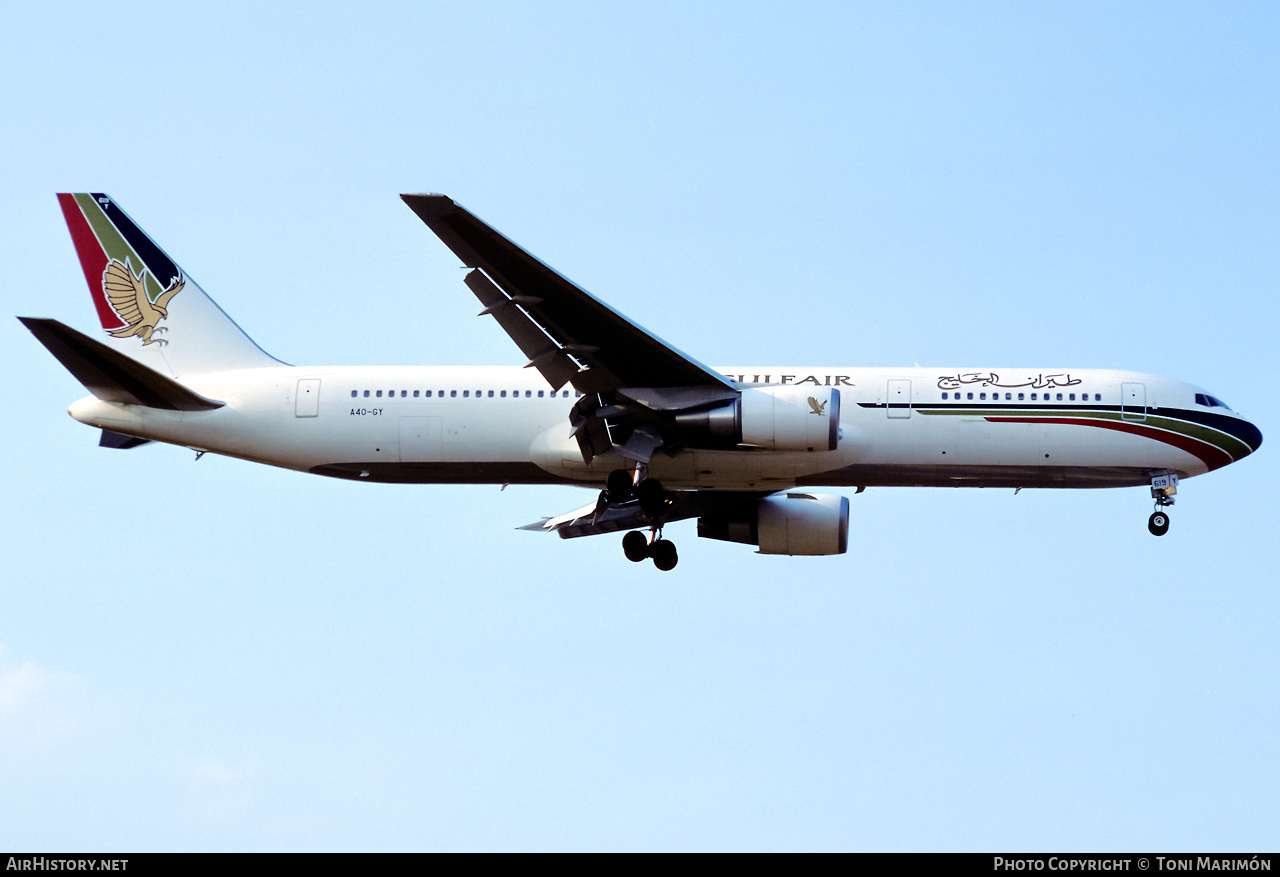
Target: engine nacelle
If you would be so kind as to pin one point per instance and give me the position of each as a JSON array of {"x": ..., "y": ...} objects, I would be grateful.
[
  {"x": 787, "y": 523},
  {"x": 775, "y": 418},
  {"x": 791, "y": 418}
]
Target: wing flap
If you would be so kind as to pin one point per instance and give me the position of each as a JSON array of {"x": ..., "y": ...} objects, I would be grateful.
[
  {"x": 543, "y": 352},
  {"x": 685, "y": 504}
]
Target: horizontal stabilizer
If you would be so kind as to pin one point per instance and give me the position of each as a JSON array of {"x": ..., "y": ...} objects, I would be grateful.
[
  {"x": 119, "y": 441},
  {"x": 112, "y": 376}
]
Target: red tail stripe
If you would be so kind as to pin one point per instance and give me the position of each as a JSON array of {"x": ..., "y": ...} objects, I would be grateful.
[{"x": 93, "y": 261}]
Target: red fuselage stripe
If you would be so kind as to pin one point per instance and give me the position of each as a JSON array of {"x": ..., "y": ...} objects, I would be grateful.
[{"x": 1213, "y": 457}]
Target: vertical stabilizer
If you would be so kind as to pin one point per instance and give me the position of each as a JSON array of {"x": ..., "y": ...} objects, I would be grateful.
[{"x": 150, "y": 310}]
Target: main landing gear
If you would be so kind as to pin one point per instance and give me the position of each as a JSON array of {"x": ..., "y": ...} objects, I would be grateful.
[
  {"x": 625, "y": 486},
  {"x": 637, "y": 547},
  {"x": 1163, "y": 487}
]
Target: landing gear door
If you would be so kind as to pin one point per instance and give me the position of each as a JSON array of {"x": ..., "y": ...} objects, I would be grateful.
[
  {"x": 1133, "y": 401},
  {"x": 898, "y": 398}
]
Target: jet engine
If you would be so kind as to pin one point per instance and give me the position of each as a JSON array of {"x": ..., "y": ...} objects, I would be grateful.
[{"x": 786, "y": 523}]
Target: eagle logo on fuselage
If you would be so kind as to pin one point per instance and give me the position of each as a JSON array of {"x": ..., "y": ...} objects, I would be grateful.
[
  {"x": 817, "y": 407},
  {"x": 127, "y": 294}
]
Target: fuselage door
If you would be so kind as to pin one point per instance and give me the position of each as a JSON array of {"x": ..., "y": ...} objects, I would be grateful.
[
  {"x": 308, "y": 402},
  {"x": 1133, "y": 401},
  {"x": 898, "y": 398}
]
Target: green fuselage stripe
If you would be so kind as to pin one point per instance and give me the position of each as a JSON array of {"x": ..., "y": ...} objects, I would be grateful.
[{"x": 1223, "y": 441}]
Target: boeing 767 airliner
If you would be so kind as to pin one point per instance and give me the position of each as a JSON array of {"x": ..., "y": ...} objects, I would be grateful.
[{"x": 603, "y": 403}]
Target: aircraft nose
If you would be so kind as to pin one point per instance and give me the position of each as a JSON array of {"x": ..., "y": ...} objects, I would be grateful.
[{"x": 1247, "y": 433}]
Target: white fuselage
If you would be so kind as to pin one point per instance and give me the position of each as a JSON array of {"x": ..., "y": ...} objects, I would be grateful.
[{"x": 914, "y": 426}]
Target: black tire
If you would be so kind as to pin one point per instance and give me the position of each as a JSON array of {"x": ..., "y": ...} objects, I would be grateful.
[
  {"x": 619, "y": 486},
  {"x": 664, "y": 555},
  {"x": 652, "y": 497},
  {"x": 635, "y": 546},
  {"x": 1158, "y": 524}
]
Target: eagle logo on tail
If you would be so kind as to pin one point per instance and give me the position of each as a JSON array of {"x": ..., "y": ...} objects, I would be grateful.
[{"x": 127, "y": 294}]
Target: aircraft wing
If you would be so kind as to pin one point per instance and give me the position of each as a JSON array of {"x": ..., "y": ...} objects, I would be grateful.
[{"x": 568, "y": 334}]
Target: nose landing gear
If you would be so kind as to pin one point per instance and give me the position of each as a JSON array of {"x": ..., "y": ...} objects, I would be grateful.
[
  {"x": 1158, "y": 523},
  {"x": 1163, "y": 487}
]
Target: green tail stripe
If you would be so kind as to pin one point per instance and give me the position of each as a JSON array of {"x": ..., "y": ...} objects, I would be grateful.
[{"x": 114, "y": 244}]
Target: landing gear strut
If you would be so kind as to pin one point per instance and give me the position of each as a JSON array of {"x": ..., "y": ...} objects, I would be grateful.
[{"x": 1163, "y": 487}]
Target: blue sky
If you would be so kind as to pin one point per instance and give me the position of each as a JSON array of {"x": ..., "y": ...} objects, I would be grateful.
[{"x": 223, "y": 656}]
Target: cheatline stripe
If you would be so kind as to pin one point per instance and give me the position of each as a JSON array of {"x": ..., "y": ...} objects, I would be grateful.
[
  {"x": 1213, "y": 456},
  {"x": 1215, "y": 446}
]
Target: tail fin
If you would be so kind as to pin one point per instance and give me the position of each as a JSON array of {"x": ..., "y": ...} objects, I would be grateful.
[{"x": 150, "y": 309}]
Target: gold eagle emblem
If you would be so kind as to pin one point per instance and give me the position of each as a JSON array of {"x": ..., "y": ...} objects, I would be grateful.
[
  {"x": 127, "y": 294},
  {"x": 817, "y": 407}
]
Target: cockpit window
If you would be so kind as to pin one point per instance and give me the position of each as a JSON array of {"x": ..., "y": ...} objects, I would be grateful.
[{"x": 1210, "y": 402}]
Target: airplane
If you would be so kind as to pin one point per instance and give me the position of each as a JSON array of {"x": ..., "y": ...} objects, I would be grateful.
[{"x": 605, "y": 404}]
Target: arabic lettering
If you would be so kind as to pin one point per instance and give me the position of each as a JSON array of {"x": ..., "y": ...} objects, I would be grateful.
[{"x": 991, "y": 379}]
